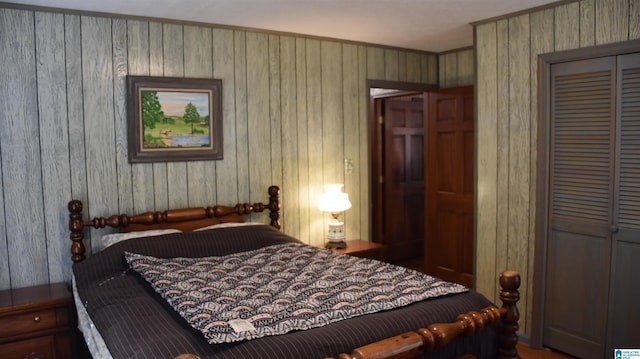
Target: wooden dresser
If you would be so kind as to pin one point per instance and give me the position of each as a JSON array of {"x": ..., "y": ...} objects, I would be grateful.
[{"x": 35, "y": 322}]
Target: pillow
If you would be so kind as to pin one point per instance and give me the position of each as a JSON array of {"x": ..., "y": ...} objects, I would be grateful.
[
  {"x": 111, "y": 239},
  {"x": 226, "y": 225}
]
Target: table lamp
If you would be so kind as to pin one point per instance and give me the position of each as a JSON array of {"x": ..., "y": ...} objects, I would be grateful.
[{"x": 334, "y": 201}]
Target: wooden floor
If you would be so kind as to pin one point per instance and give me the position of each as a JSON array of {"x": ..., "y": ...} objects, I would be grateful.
[
  {"x": 524, "y": 350},
  {"x": 527, "y": 353}
]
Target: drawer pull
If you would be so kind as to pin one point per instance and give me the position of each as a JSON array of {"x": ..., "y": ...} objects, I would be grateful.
[{"x": 36, "y": 319}]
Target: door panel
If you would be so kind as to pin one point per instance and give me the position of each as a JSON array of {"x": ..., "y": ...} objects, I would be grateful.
[
  {"x": 449, "y": 185},
  {"x": 403, "y": 179},
  {"x": 625, "y": 310},
  {"x": 570, "y": 325},
  {"x": 580, "y": 200}
]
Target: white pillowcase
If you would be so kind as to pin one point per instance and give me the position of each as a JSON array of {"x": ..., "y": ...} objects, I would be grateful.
[
  {"x": 111, "y": 239},
  {"x": 227, "y": 225}
]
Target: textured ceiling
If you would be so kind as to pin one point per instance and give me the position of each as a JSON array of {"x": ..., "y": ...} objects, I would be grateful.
[{"x": 430, "y": 25}]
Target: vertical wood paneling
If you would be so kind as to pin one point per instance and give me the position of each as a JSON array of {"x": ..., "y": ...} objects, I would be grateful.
[
  {"x": 414, "y": 65},
  {"x": 612, "y": 21},
  {"x": 224, "y": 69},
  {"x": 519, "y": 149},
  {"x": 587, "y": 23},
  {"x": 304, "y": 206},
  {"x": 97, "y": 85},
  {"x": 432, "y": 69},
  {"x": 173, "y": 66},
  {"x": 375, "y": 63},
  {"x": 634, "y": 19},
  {"x": 425, "y": 69},
  {"x": 75, "y": 114},
  {"x": 288, "y": 102},
  {"x": 54, "y": 140},
  {"x": 259, "y": 125},
  {"x": 456, "y": 68},
  {"x": 240, "y": 58},
  {"x": 352, "y": 127},
  {"x": 279, "y": 94},
  {"x": 465, "y": 68},
  {"x": 402, "y": 66},
  {"x": 275, "y": 115},
  {"x": 502, "y": 224},
  {"x": 486, "y": 159},
  {"x": 443, "y": 80},
  {"x": 542, "y": 41},
  {"x": 362, "y": 167},
  {"x": 451, "y": 69},
  {"x": 198, "y": 53},
  {"x": 19, "y": 137},
  {"x": 5, "y": 275},
  {"x": 391, "y": 65},
  {"x": 332, "y": 112},
  {"x": 315, "y": 143},
  {"x": 138, "y": 65},
  {"x": 120, "y": 70},
  {"x": 156, "y": 68},
  {"x": 332, "y": 117},
  {"x": 567, "y": 26}
]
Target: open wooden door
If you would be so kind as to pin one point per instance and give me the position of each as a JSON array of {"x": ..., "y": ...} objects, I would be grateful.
[
  {"x": 449, "y": 178},
  {"x": 403, "y": 178}
]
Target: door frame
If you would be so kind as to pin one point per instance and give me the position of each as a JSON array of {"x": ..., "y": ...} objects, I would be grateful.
[
  {"x": 545, "y": 62},
  {"x": 375, "y": 151}
]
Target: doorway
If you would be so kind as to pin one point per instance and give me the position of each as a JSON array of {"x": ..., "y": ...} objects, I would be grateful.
[
  {"x": 397, "y": 169},
  {"x": 422, "y": 177}
]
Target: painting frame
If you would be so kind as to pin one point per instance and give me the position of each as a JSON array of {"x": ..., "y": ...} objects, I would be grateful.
[{"x": 170, "y": 137}]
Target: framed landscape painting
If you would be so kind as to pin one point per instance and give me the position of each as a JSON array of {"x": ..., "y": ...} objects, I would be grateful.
[{"x": 174, "y": 119}]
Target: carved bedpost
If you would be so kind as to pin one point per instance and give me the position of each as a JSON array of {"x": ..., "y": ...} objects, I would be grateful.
[
  {"x": 76, "y": 228},
  {"x": 274, "y": 206},
  {"x": 510, "y": 282}
]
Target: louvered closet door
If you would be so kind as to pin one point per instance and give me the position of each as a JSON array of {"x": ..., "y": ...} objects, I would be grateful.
[
  {"x": 626, "y": 240},
  {"x": 580, "y": 201}
]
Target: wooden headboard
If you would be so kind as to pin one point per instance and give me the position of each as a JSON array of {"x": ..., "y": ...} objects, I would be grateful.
[{"x": 185, "y": 219}]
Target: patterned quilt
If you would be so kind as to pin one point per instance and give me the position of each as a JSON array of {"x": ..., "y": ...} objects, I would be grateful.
[{"x": 281, "y": 288}]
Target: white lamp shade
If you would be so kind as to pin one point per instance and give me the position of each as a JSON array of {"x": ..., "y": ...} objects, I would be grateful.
[{"x": 333, "y": 200}]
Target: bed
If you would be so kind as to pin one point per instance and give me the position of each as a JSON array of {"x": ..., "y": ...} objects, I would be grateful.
[{"x": 135, "y": 298}]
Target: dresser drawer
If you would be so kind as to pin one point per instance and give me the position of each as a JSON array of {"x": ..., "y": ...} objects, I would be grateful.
[
  {"x": 27, "y": 322},
  {"x": 37, "y": 348}
]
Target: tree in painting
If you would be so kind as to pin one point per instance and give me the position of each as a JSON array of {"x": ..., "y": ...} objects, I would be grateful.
[
  {"x": 151, "y": 109},
  {"x": 191, "y": 115}
]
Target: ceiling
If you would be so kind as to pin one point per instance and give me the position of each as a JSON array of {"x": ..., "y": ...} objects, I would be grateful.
[{"x": 429, "y": 25}]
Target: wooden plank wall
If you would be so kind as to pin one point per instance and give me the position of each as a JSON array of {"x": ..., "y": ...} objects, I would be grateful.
[
  {"x": 294, "y": 108},
  {"x": 506, "y": 92},
  {"x": 456, "y": 68}
]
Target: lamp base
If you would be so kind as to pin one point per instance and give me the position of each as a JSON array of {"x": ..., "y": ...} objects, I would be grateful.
[
  {"x": 336, "y": 245},
  {"x": 336, "y": 231}
]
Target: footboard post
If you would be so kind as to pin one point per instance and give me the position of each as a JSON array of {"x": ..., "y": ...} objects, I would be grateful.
[{"x": 510, "y": 282}]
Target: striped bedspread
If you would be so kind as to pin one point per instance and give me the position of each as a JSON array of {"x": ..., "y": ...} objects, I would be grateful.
[{"x": 278, "y": 289}]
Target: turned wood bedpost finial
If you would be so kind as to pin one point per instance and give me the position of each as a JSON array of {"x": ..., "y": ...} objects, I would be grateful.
[
  {"x": 510, "y": 282},
  {"x": 76, "y": 228},
  {"x": 274, "y": 206}
]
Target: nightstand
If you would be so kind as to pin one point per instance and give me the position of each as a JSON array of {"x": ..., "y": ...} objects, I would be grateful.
[
  {"x": 35, "y": 322},
  {"x": 361, "y": 248}
]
